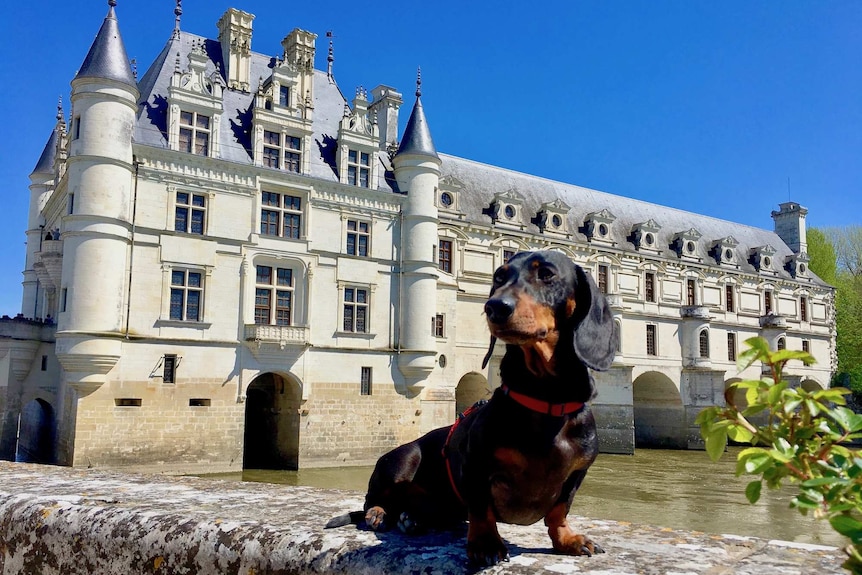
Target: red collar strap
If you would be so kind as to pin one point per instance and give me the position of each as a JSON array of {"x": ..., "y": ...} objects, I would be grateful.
[{"x": 539, "y": 406}]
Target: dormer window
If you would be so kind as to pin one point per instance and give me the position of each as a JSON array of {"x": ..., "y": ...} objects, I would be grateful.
[
  {"x": 358, "y": 168},
  {"x": 761, "y": 258},
  {"x": 284, "y": 96},
  {"x": 645, "y": 236},
  {"x": 724, "y": 251},
  {"x": 194, "y": 133},
  {"x": 506, "y": 210},
  {"x": 448, "y": 192},
  {"x": 797, "y": 265},
  {"x": 597, "y": 226},
  {"x": 551, "y": 218},
  {"x": 685, "y": 244}
]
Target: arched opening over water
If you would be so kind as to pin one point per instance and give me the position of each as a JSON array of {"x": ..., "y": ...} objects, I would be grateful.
[
  {"x": 811, "y": 385},
  {"x": 36, "y": 433},
  {"x": 271, "y": 439},
  {"x": 471, "y": 388},
  {"x": 659, "y": 413}
]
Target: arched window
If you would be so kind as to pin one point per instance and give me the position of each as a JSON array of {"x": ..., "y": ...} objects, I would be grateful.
[
  {"x": 782, "y": 343},
  {"x": 703, "y": 340}
]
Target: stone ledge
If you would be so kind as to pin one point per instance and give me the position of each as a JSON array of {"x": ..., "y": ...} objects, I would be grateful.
[{"x": 59, "y": 520}]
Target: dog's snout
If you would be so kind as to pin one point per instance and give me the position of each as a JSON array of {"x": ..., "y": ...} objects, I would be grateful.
[{"x": 499, "y": 310}]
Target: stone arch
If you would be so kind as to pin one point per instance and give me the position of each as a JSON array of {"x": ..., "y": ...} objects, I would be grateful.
[
  {"x": 659, "y": 413},
  {"x": 36, "y": 433},
  {"x": 271, "y": 436},
  {"x": 471, "y": 388},
  {"x": 811, "y": 385}
]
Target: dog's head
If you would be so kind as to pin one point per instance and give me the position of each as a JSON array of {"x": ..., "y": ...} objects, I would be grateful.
[{"x": 541, "y": 301}]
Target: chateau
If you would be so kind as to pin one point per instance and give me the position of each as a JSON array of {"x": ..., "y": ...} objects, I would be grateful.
[{"x": 230, "y": 265}]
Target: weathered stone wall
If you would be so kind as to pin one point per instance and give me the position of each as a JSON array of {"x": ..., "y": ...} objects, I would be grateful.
[{"x": 56, "y": 520}]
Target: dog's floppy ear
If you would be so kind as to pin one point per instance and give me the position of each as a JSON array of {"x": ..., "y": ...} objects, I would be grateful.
[{"x": 594, "y": 338}]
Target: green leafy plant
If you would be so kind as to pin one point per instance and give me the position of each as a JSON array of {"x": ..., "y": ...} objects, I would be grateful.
[{"x": 802, "y": 436}]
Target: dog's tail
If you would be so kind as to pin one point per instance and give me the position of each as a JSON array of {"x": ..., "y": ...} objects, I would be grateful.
[{"x": 352, "y": 518}]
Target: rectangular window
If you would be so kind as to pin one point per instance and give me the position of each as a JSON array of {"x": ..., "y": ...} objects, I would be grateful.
[
  {"x": 76, "y": 128},
  {"x": 44, "y": 363},
  {"x": 365, "y": 381},
  {"x": 803, "y": 308},
  {"x": 284, "y": 96},
  {"x": 649, "y": 286},
  {"x": 437, "y": 324},
  {"x": 507, "y": 255},
  {"x": 358, "y": 236},
  {"x": 186, "y": 295},
  {"x": 444, "y": 256},
  {"x": 603, "y": 279},
  {"x": 806, "y": 346},
  {"x": 358, "y": 168},
  {"x": 273, "y": 296},
  {"x": 194, "y": 133},
  {"x": 280, "y": 215},
  {"x": 651, "y": 347},
  {"x": 71, "y": 206},
  {"x": 355, "y": 310},
  {"x": 169, "y": 372},
  {"x": 767, "y": 302},
  {"x": 274, "y": 148},
  {"x": 691, "y": 292},
  {"x": 728, "y": 298},
  {"x": 731, "y": 347},
  {"x": 63, "y": 294},
  {"x": 190, "y": 213}
]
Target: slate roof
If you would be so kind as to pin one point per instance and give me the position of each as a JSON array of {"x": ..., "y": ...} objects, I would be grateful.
[
  {"x": 107, "y": 57},
  {"x": 481, "y": 181},
  {"x": 45, "y": 165}
]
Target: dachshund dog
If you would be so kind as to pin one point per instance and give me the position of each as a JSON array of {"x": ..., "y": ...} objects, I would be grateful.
[{"x": 520, "y": 456}]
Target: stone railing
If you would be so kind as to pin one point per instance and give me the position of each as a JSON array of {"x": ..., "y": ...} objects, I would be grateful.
[
  {"x": 278, "y": 334},
  {"x": 57, "y": 520}
]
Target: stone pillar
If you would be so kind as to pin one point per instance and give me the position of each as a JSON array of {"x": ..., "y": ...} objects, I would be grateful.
[
  {"x": 614, "y": 410},
  {"x": 699, "y": 388}
]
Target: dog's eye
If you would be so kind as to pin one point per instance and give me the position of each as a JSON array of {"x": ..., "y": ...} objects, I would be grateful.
[{"x": 546, "y": 274}]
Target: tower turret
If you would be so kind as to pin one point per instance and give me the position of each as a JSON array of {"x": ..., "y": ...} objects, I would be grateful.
[
  {"x": 417, "y": 171},
  {"x": 96, "y": 227},
  {"x": 790, "y": 226}
]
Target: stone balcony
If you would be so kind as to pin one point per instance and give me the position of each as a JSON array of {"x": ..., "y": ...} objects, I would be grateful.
[
  {"x": 273, "y": 340},
  {"x": 772, "y": 320},
  {"x": 700, "y": 312}
]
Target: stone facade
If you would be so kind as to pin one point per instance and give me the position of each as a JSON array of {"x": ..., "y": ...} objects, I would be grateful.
[{"x": 229, "y": 264}]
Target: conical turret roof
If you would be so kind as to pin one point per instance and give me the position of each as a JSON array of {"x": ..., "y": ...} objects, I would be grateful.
[
  {"x": 45, "y": 165},
  {"x": 417, "y": 136},
  {"x": 107, "y": 57}
]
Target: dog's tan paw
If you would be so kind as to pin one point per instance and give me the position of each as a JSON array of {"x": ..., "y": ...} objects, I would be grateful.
[
  {"x": 374, "y": 518},
  {"x": 577, "y": 545}
]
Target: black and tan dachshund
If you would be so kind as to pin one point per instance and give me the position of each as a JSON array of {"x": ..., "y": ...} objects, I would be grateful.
[{"x": 521, "y": 456}]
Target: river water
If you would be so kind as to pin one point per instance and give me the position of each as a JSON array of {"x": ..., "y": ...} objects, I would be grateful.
[{"x": 677, "y": 489}]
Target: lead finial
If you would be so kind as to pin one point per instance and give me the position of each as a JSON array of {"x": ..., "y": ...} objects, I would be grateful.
[
  {"x": 330, "y": 58},
  {"x": 178, "y": 11},
  {"x": 418, "y": 81},
  {"x": 60, "y": 116},
  {"x": 112, "y": 3}
]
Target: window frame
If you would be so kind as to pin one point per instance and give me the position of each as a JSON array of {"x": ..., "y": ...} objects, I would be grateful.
[
  {"x": 358, "y": 168},
  {"x": 186, "y": 290},
  {"x": 194, "y": 133},
  {"x": 691, "y": 292},
  {"x": 445, "y": 249},
  {"x": 651, "y": 340},
  {"x": 354, "y": 237},
  {"x": 190, "y": 210},
  {"x": 767, "y": 302},
  {"x": 274, "y": 292},
  {"x": 366, "y": 384},
  {"x": 649, "y": 287},
  {"x": 703, "y": 344},
  {"x": 438, "y": 325},
  {"x": 729, "y": 298},
  {"x": 287, "y": 213},
  {"x": 731, "y": 346},
  {"x": 355, "y": 306},
  {"x": 603, "y": 280},
  {"x": 803, "y": 308}
]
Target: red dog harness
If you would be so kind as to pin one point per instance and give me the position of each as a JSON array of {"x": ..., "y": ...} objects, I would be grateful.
[{"x": 537, "y": 405}]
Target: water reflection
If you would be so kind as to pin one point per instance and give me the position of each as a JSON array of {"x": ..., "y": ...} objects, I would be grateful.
[{"x": 679, "y": 489}]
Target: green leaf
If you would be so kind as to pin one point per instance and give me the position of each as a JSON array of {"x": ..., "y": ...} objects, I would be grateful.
[
  {"x": 847, "y": 419},
  {"x": 752, "y": 491},
  {"x": 847, "y": 525},
  {"x": 716, "y": 442},
  {"x": 774, "y": 393},
  {"x": 739, "y": 434},
  {"x": 818, "y": 481},
  {"x": 784, "y": 355}
]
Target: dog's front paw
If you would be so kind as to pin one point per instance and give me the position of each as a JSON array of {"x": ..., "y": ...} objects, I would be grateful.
[
  {"x": 575, "y": 544},
  {"x": 374, "y": 518},
  {"x": 408, "y": 525},
  {"x": 486, "y": 549}
]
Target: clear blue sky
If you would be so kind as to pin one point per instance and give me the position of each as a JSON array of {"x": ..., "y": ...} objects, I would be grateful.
[{"x": 705, "y": 106}]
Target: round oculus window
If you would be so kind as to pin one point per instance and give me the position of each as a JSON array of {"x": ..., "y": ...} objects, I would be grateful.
[
  {"x": 556, "y": 220},
  {"x": 648, "y": 239},
  {"x": 767, "y": 261},
  {"x": 689, "y": 247},
  {"x": 802, "y": 268},
  {"x": 728, "y": 255},
  {"x": 446, "y": 199},
  {"x": 509, "y": 211},
  {"x": 603, "y": 230},
  {"x": 442, "y": 360}
]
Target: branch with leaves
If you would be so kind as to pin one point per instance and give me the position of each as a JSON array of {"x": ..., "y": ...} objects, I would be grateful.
[{"x": 804, "y": 440}]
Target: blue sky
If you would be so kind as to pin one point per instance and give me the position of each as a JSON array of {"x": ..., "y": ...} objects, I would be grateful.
[{"x": 721, "y": 108}]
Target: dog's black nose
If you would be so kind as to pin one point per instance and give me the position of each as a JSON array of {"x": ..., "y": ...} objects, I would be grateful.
[{"x": 499, "y": 310}]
